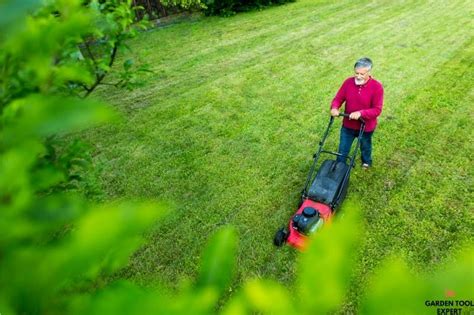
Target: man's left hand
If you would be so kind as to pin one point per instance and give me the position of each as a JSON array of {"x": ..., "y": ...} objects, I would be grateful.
[{"x": 354, "y": 115}]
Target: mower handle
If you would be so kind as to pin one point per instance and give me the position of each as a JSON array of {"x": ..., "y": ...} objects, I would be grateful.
[{"x": 347, "y": 116}]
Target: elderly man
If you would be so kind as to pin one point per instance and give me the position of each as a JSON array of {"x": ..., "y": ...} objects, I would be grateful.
[{"x": 363, "y": 97}]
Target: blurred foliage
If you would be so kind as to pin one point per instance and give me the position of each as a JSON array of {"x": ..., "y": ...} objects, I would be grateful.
[
  {"x": 395, "y": 289},
  {"x": 64, "y": 47},
  {"x": 55, "y": 243},
  {"x": 53, "y": 239}
]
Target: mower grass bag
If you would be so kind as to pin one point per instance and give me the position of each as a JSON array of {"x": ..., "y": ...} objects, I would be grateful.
[{"x": 328, "y": 182}]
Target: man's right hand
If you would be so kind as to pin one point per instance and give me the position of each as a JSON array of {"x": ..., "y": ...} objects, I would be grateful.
[{"x": 334, "y": 112}]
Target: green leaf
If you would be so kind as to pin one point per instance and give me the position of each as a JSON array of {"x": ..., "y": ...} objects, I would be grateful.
[
  {"x": 40, "y": 116},
  {"x": 218, "y": 260},
  {"x": 268, "y": 297},
  {"x": 46, "y": 177},
  {"x": 72, "y": 72},
  {"x": 118, "y": 298},
  {"x": 392, "y": 284},
  {"x": 12, "y": 11}
]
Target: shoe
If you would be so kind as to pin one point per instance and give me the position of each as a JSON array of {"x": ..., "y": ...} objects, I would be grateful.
[{"x": 365, "y": 166}]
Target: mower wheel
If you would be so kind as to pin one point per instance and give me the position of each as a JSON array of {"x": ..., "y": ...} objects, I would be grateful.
[{"x": 280, "y": 237}]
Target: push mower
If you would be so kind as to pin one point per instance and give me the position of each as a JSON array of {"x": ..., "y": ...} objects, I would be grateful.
[{"x": 323, "y": 193}]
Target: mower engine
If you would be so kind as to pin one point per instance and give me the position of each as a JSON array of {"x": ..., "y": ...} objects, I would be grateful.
[{"x": 308, "y": 221}]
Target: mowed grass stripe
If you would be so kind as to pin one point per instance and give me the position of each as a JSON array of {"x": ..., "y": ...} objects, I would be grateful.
[
  {"x": 435, "y": 154},
  {"x": 250, "y": 51},
  {"x": 178, "y": 83},
  {"x": 233, "y": 80},
  {"x": 207, "y": 44}
]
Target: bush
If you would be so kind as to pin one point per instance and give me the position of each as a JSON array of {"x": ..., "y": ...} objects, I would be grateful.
[{"x": 229, "y": 7}]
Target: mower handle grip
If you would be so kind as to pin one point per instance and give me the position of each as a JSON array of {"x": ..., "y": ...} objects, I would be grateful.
[{"x": 347, "y": 116}]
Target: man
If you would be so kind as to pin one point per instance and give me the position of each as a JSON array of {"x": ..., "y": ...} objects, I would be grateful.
[{"x": 363, "y": 97}]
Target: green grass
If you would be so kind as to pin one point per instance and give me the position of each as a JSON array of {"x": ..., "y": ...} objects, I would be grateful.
[{"x": 226, "y": 127}]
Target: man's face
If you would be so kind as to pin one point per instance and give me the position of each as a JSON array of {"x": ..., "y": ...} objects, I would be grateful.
[{"x": 361, "y": 75}]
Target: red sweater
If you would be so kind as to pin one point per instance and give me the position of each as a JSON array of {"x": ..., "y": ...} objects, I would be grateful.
[{"x": 367, "y": 98}]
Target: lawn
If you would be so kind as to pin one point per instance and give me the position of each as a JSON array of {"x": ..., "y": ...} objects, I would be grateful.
[{"x": 225, "y": 128}]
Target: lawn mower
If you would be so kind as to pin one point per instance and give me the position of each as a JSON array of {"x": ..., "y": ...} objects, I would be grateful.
[{"x": 323, "y": 193}]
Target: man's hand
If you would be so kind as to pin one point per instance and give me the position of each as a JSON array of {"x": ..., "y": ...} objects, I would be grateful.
[
  {"x": 354, "y": 115},
  {"x": 334, "y": 112}
]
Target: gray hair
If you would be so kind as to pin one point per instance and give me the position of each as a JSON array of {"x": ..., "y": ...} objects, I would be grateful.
[{"x": 363, "y": 63}]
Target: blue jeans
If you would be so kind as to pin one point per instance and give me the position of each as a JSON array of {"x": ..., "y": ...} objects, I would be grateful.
[{"x": 345, "y": 143}]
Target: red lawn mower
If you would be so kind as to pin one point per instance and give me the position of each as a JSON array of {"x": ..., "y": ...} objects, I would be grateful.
[{"x": 319, "y": 200}]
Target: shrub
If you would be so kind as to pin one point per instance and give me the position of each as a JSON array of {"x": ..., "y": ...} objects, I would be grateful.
[{"x": 229, "y": 7}]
